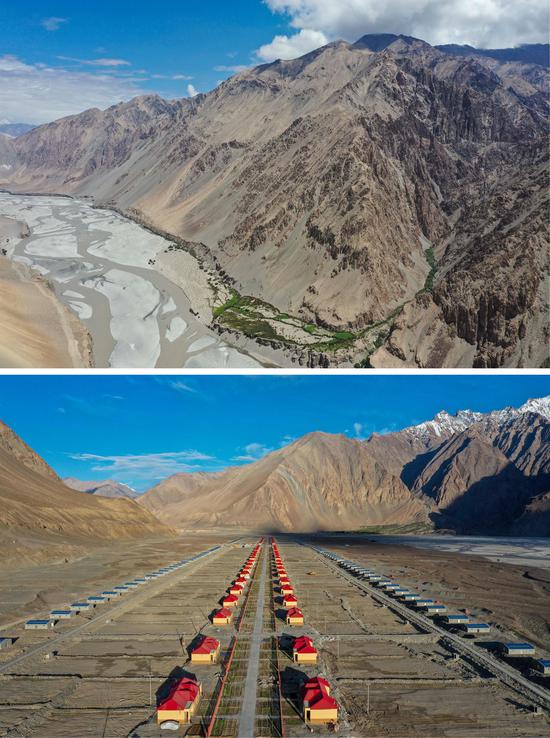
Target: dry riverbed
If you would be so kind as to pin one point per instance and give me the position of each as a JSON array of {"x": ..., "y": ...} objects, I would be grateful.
[{"x": 142, "y": 306}]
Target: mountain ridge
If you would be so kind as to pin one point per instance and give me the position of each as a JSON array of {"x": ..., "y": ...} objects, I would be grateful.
[
  {"x": 285, "y": 178},
  {"x": 477, "y": 472}
]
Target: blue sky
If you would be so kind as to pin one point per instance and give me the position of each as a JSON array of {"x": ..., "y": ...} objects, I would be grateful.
[
  {"x": 59, "y": 56},
  {"x": 140, "y": 429}
]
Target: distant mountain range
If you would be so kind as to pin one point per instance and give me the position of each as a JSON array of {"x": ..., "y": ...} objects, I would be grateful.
[
  {"x": 104, "y": 488},
  {"x": 388, "y": 192},
  {"x": 525, "y": 53},
  {"x": 15, "y": 129},
  {"x": 473, "y": 473},
  {"x": 469, "y": 472}
]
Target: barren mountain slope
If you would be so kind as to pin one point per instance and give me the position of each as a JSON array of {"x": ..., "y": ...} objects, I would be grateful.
[
  {"x": 320, "y": 482},
  {"x": 400, "y": 448},
  {"x": 7, "y": 154},
  {"x": 33, "y": 500},
  {"x": 12, "y": 445},
  {"x": 318, "y": 184},
  {"x": 473, "y": 472}
]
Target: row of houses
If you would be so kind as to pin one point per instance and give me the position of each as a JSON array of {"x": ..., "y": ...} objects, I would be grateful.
[
  {"x": 318, "y": 705},
  {"x": 461, "y": 621},
  {"x": 89, "y": 603},
  {"x": 182, "y": 701},
  {"x": 294, "y": 615},
  {"x": 224, "y": 616}
]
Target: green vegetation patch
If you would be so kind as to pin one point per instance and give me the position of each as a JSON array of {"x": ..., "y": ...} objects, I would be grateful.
[
  {"x": 410, "y": 528},
  {"x": 429, "y": 283}
]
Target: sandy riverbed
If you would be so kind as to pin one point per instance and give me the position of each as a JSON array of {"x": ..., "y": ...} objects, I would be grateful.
[{"x": 142, "y": 307}]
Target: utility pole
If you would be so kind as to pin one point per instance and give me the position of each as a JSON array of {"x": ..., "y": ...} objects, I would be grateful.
[
  {"x": 150, "y": 685},
  {"x": 368, "y": 699}
]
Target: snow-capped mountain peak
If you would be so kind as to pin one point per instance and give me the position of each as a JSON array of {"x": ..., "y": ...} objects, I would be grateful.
[
  {"x": 540, "y": 405},
  {"x": 445, "y": 425}
]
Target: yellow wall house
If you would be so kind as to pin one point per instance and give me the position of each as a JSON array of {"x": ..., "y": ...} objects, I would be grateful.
[
  {"x": 207, "y": 652},
  {"x": 294, "y": 616},
  {"x": 303, "y": 651},
  {"x": 181, "y": 703},
  {"x": 318, "y": 705},
  {"x": 222, "y": 617}
]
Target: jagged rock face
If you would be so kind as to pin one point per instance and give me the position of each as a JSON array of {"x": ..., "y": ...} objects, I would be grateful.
[
  {"x": 483, "y": 472},
  {"x": 475, "y": 487},
  {"x": 315, "y": 183},
  {"x": 320, "y": 482}
]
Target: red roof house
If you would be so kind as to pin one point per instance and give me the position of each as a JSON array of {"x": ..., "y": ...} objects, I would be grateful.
[
  {"x": 230, "y": 601},
  {"x": 303, "y": 650},
  {"x": 206, "y": 652},
  {"x": 289, "y": 601},
  {"x": 294, "y": 616},
  {"x": 222, "y": 616},
  {"x": 181, "y": 702},
  {"x": 318, "y": 705}
]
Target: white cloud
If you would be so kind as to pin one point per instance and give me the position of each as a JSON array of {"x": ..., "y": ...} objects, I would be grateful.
[
  {"x": 482, "y": 23},
  {"x": 144, "y": 466},
  {"x": 36, "y": 93},
  {"x": 179, "y": 386},
  {"x": 191, "y": 91},
  {"x": 53, "y": 23},
  {"x": 234, "y": 68},
  {"x": 290, "y": 47},
  {"x": 253, "y": 452},
  {"x": 358, "y": 429},
  {"x": 101, "y": 62}
]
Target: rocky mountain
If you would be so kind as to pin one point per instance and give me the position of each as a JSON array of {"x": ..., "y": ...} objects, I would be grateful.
[
  {"x": 37, "y": 509},
  {"x": 388, "y": 191},
  {"x": 538, "y": 54},
  {"x": 320, "y": 482},
  {"x": 484, "y": 472},
  {"x": 104, "y": 488},
  {"x": 470, "y": 472}
]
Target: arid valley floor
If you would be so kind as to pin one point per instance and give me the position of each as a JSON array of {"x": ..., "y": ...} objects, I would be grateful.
[{"x": 101, "y": 673}]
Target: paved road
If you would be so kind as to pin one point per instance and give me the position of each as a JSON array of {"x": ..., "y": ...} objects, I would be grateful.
[
  {"x": 140, "y": 594},
  {"x": 502, "y": 671},
  {"x": 247, "y": 720}
]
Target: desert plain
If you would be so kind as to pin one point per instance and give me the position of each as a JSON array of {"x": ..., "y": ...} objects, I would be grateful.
[{"x": 102, "y": 672}]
